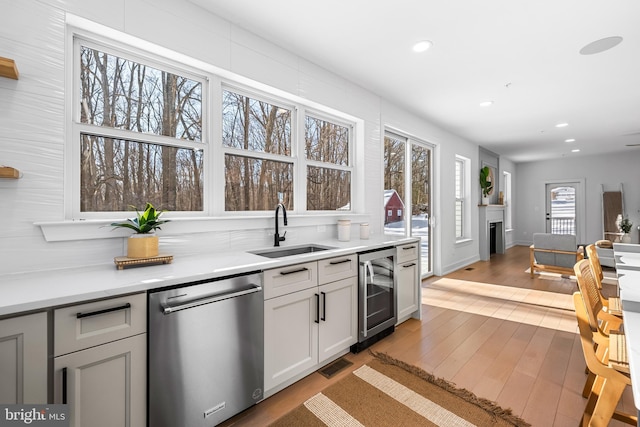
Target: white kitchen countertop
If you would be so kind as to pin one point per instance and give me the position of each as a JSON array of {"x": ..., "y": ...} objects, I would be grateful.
[{"x": 45, "y": 289}]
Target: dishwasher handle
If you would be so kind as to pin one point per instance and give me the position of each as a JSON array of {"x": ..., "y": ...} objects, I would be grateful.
[{"x": 167, "y": 309}]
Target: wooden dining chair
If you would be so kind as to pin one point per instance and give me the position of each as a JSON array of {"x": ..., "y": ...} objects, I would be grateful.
[
  {"x": 611, "y": 304},
  {"x": 611, "y": 378},
  {"x": 601, "y": 322}
]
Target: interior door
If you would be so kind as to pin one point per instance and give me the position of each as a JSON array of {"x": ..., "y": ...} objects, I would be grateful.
[{"x": 562, "y": 213}]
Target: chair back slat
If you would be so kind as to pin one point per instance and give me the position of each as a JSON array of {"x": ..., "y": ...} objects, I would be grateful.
[
  {"x": 594, "y": 261},
  {"x": 589, "y": 290}
]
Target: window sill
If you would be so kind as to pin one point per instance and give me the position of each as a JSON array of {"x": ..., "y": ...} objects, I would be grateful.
[{"x": 62, "y": 231}]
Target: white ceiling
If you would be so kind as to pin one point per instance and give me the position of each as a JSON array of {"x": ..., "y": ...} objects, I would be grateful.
[{"x": 522, "y": 55}]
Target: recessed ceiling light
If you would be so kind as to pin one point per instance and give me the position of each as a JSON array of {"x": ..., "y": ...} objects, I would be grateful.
[
  {"x": 486, "y": 103},
  {"x": 575, "y": 150},
  {"x": 561, "y": 125},
  {"x": 570, "y": 140},
  {"x": 422, "y": 46},
  {"x": 601, "y": 45}
]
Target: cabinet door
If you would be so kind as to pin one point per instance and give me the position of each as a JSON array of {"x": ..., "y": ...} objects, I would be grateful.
[
  {"x": 338, "y": 317},
  {"x": 105, "y": 385},
  {"x": 408, "y": 290},
  {"x": 23, "y": 359},
  {"x": 290, "y": 336}
]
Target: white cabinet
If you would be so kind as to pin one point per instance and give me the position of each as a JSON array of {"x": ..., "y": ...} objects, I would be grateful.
[
  {"x": 23, "y": 359},
  {"x": 310, "y": 322},
  {"x": 408, "y": 281},
  {"x": 100, "y": 361}
]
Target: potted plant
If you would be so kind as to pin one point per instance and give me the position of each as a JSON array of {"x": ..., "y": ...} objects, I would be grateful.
[
  {"x": 486, "y": 184},
  {"x": 144, "y": 243},
  {"x": 625, "y": 227}
]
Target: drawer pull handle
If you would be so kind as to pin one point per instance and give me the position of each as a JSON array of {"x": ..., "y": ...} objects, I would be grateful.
[
  {"x": 300, "y": 270},
  {"x": 64, "y": 386},
  {"x": 106, "y": 310},
  {"x": 409, "y": 265},
  {"x": 342, "y": 261},
  {"x": 406, "y": 248}
]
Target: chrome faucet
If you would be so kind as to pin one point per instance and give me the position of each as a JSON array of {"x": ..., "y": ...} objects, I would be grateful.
[{"x": 276, "y": 238}]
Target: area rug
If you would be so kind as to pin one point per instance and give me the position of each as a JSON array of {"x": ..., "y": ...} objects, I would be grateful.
[{"x": 389, "y": 392}]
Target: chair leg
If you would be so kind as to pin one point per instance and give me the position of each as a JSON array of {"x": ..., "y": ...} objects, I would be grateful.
[
  {"x": 588, "y": 385},
  {"x": 606, "y": 405}
]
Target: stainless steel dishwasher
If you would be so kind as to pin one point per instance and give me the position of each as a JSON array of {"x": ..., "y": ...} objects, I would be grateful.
[{"x": 206, "y": 351}]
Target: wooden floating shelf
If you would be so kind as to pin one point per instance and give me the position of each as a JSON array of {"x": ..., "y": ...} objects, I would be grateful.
[
  {"x": 8, "y": 68},
  {"x": 8, "y": 172}
]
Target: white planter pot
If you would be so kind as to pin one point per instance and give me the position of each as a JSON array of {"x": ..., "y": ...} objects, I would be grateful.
[
  {"x": 626, "y": 238},
  {"x": 485, "y": 200}
]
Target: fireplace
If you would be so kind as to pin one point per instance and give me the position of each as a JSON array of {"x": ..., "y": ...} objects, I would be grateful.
[{"x": 491, "y": 230}]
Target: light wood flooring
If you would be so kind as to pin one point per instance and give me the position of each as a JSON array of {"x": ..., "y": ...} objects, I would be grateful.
[{"x": 489, "y": 328}]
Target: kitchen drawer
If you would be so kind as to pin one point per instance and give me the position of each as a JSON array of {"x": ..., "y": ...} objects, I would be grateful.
[
  {"x": 292, "y": 278},
  {"x": 408, "y": 252},
  {"x": 86, "y": 325},
  {"x": 338, "y": 268}
]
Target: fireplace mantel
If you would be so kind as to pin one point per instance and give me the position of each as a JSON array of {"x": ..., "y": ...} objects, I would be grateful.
[{"x": 491, "y": 214}]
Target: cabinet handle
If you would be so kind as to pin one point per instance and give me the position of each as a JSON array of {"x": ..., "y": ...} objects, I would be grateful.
[
  {"x": 409, "y": 265},
  {"x": 342, "y": 261},
  {"x": 64, "y": 386},
  {"x": 106, "y": 310},
  {"x": 406, "y": 248},
  {"x": 324, "y": 307},
  {"x": 300, "y": 270},
  {"x": 317, "y": 308}
]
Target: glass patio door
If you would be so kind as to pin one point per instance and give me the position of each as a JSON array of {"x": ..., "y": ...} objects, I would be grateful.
[{"x": 407, "y": 193}]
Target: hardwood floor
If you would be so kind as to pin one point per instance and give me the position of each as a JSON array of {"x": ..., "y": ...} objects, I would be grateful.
[{"x": 489, "y": 328}]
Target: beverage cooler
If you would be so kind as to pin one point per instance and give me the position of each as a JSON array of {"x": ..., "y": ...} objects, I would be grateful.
[{"x": 376, "y": 296}]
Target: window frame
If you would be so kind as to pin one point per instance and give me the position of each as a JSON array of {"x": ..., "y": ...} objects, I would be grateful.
[
  {"x": 305, "y": 163},
  {"x": 465, "y": 183},
  {"x": 77, "y": 128},
  {"x": 214, "y": 81},
  {"x": 508, "y": 214}
]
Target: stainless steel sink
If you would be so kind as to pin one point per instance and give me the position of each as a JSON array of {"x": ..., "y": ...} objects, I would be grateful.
[{"x": 291, "y": 251}]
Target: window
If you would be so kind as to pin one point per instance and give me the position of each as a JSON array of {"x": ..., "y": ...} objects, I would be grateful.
[
  {"x": 507, "y": 201},
  {"x": 407, "y": 191},
  {"x": 327, "y": 151},
  {"x": 138, "y": 133},
  {"x": 462, "y": 215},
  {"x": 139, "y": 128},
  {"x": 256, "y": 139}
]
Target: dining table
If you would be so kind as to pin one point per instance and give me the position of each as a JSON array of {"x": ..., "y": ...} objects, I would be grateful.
[{"x": 627, "y": 264}]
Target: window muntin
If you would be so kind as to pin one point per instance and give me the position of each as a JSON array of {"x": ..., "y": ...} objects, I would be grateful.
[{"x": 138, "y": 135}]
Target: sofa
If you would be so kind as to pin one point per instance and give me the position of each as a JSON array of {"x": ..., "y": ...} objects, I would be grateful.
[{"x": 554, "y": 253}]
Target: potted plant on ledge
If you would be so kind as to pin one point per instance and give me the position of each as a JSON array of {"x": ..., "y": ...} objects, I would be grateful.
[
  {"x": 144, "y": 243},
  {"x": 486, "y": 184},
  {"x": 625, "y": 227}
]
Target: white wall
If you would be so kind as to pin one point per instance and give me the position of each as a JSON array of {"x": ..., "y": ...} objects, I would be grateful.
[
  {"x": 608, "y": 170},
  {"x": 32, "y": 126}
]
